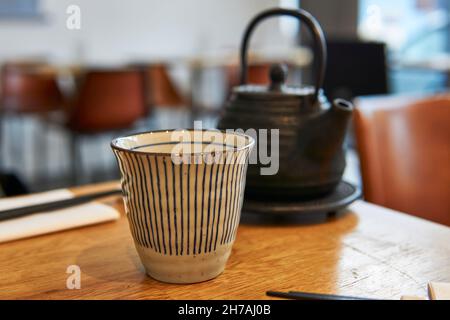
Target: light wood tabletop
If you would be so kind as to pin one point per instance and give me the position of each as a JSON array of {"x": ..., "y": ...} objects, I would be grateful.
[{"x": 369, "y": 252}]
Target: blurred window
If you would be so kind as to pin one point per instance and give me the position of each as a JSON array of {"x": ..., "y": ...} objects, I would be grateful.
[
  {"x": 19, "y": 9},
  {"x": 414, "y": 30},
  {"x": 289, "y": 27},
  {"x": 417, "y": 25}
]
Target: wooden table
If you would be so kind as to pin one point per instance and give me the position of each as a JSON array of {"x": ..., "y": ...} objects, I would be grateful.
[{"x": 371, "y": 251}]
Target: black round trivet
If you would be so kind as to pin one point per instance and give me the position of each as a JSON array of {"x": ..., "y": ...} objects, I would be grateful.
[{"x": 304, "y": 211}]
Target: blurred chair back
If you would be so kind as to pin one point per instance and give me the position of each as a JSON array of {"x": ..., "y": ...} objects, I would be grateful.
[
  {"x": 161, "y": 91},
  {"x": 404, "y": 147},
  {"x": 257, "y": 73},
  {"x": 355, "y": 68},
  {"x": 29, "y": 87},
  {"x": 108, "y": 100}
]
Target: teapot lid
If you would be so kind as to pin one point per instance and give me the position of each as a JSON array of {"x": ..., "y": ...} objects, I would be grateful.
[{"x": 277, "y": 87}]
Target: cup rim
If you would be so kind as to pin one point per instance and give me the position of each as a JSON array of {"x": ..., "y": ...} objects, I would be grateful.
[{"x": 113, "y": 144}]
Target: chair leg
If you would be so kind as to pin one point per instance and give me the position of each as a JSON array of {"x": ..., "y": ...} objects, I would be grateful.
[
  {"x": 105, "y": 160},
  {"x": 46, "y": 159},
  {"x": 38, "y": 147},
  {"x": 43, "y": 145},
  {"x": 5, "y": 150},
  {"x": 75, "y": 158},
  {"x": 20, "y": 144},
  {"x": 2, "y": 151},
  {"x": 150, "y": 122}
]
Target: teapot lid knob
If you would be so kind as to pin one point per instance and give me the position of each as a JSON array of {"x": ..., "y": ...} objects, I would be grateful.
[{"x": 278, "y": 75}]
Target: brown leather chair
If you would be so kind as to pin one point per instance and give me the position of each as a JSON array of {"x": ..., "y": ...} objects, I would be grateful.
[
  {"x": 404, "y": 147},
  {"x": 107, "y": 100},
  {"x": 159, "y": 89},
  {"x": 29, "y": 88},
  {"x": 257, "y": 73}
]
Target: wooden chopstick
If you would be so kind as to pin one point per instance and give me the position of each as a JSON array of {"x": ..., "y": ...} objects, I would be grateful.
[
  {"x": 54, "y": 205},
  {"x": 311, "y": 296}
]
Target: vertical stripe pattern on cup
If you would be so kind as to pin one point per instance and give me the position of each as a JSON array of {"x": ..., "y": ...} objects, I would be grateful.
[{"x": 182, "y": 209}]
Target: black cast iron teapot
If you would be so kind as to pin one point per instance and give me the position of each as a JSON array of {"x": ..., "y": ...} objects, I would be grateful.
[{"x": 311, "y": 130}]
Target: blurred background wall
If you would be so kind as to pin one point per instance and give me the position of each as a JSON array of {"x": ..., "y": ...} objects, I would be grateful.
[{"x": 115, "y": 31}]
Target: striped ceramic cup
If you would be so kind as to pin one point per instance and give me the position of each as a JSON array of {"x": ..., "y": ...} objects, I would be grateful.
[{"x": 183, "y": 192}]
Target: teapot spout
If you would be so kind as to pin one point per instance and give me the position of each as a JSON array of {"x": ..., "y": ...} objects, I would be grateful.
[
  {"x": 335, "y": 121},
  {"x": 323, "y": 138},
  {"x": 343, "y": 108}
]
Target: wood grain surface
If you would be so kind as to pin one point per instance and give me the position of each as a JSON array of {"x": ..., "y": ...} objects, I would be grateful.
[{"x": 370, "y": 252}]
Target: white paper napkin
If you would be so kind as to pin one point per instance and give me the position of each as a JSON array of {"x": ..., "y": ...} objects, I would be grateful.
[{"x": 47, "y": 222}]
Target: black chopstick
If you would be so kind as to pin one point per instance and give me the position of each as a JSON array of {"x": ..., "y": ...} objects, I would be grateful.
[
  {"x": 55, "y": 205},
  {"x": 310, "y": 296}
]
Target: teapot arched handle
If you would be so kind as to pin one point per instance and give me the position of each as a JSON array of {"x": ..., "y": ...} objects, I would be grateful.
[{"x": 313, "y": 26}]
